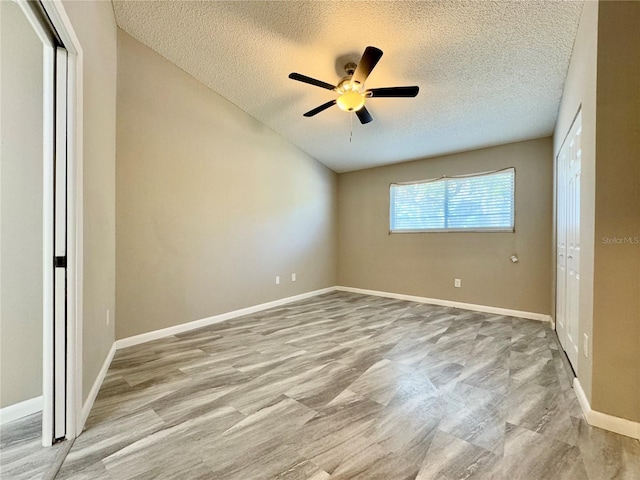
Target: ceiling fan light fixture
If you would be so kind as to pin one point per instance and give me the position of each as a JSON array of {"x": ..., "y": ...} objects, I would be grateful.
[
  {"x": 351, "y": 101},
  {"x": 350, "y": 90}
]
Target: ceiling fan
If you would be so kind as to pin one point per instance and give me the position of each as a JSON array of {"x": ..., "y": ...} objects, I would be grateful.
[{"x": 352, "y": 94}]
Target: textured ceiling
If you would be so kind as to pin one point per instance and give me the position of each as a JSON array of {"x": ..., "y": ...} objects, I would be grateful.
[{"x": 490, "y": 72}]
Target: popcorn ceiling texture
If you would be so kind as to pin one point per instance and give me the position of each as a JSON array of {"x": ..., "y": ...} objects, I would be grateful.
[{"x": 490, "y": 72}]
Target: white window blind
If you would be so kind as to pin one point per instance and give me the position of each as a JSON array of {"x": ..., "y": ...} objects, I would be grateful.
[{"x": 479, "y": 202}]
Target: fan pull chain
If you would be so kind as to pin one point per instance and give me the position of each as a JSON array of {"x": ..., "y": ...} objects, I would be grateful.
[{"x": 351, "y": 125}]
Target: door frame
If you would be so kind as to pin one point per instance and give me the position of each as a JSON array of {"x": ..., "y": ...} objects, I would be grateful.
[{"x": 61, "y": 23}]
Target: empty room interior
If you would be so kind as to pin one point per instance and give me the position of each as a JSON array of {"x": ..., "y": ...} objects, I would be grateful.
[{"x": 320, "y": 240}]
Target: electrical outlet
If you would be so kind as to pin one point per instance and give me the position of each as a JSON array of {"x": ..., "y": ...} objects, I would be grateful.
[
  {"x": 293, "y": 277},
  {"x": 585, "y": 344},
  {"x": 277, "y": 279},
  {"x": 457, "y": 283},
  {"x": 108, "y": 317}
]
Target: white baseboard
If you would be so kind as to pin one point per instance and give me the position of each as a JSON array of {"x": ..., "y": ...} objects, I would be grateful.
[
  {"x": 448, "y": 303},
  {"x": 605, "y": 421},
  {"x": 185, "y": 327},
  {"x": 21, "y": 409},
  {"x": 95, "y": 388}
]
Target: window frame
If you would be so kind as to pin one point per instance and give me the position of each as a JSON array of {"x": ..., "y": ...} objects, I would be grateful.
[{"x": 510, "y": 229}]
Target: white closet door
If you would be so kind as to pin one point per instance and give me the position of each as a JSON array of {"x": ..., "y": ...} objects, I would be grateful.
[
  {"x": 561, "y": 249},
  {"x": 568, "y": 242},
  {"x": 60, "y": 247},
  {"x": 573, "y": 240}
]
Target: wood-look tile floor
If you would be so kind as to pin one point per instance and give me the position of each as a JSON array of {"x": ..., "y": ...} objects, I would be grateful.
[
  {"x": 347, "y": 386},
  {"x": 22, "y": 456}
]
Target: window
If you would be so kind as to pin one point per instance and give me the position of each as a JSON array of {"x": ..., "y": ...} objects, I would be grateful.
[{"x": 478, "y": 202}]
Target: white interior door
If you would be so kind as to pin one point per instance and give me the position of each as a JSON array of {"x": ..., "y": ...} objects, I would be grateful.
[
  {"x": 568, "y": 243},
  {"x": 36, "y": 114},
  {"x": 60, "y": 247},
  {"x": 561, "y": 249},
  {"x": 573, "y": 240}
]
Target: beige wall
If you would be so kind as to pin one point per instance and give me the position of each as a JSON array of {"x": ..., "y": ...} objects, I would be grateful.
[
  {"x": 425, "y": 264},
  {"x": 94, "y": 23},
  {"x": 580, "y": 92},
  {"x": 21, "y": 208},
  {"x": 616, "y": 313},
  {"x": 211, "y": 205}
]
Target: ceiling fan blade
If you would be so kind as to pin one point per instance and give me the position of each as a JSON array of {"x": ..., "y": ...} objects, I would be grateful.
[
  {"x": 394, "y": 92},
  {"x": 319, "y": 109},
  {"x": 364, "y": 115},
  {"x": 370, "y": 58},
  {"x": 312, "y": 81}
]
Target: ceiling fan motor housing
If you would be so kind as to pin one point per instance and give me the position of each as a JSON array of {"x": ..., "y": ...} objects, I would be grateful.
[{"x": 350, "y": 68}]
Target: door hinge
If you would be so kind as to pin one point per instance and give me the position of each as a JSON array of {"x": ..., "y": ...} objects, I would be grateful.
[{"x": 60, "y": 262}]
